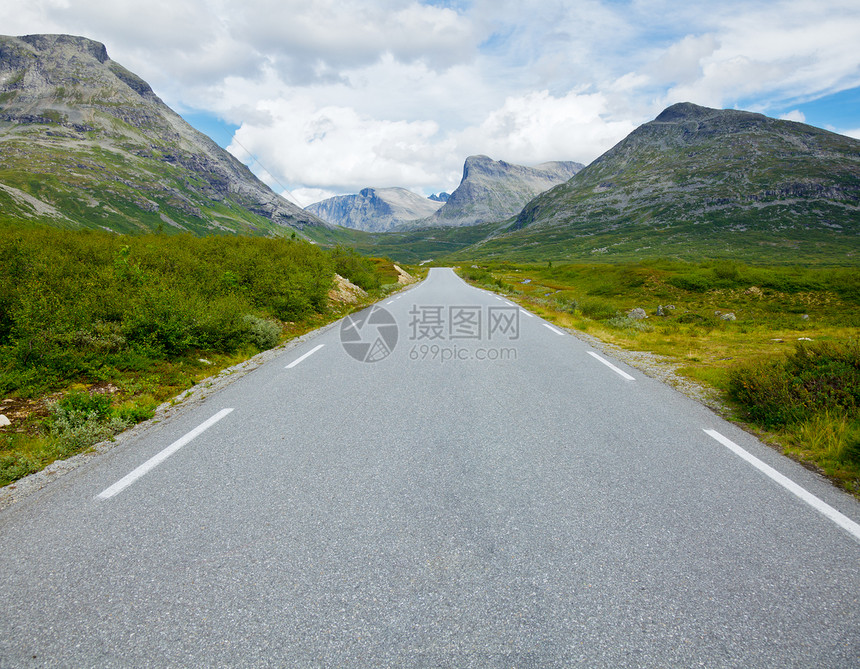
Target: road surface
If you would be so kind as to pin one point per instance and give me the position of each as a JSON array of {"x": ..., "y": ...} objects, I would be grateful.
[{"x": 489, "y": 493}]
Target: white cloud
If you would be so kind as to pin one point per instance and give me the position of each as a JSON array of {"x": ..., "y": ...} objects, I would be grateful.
[
  {"x": 538, "y": 127},
  {"x": 305, "y": 196},
  {"x": 335, "y": 95},
  {"x": 777, "y": 51},
  {"x": 855, "y": 133},
  {"x": 794, "y": 115},
  {"x": 337, "y": 148}
]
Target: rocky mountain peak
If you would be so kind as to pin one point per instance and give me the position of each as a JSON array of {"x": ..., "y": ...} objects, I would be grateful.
[
  {"x": 45, "y": 44},
  {"x": 683, "y": 111},
  {"x": 115, "y": 155},
  {"x": 374, "y": 209},
  {"x": 493, "y": 190}
]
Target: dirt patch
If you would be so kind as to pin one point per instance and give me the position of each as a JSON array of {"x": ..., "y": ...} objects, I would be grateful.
[
  {"x": 25, "y": 415},
  {"x": 20, "y": 411}
]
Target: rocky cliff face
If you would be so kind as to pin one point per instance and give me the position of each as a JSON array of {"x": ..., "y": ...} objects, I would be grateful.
[
  {"x": 732, "y": 170},
  {"x": 86, "y": 143},
  {"x": 374, "y": 209},
  {"x": 493, "y": 190}
]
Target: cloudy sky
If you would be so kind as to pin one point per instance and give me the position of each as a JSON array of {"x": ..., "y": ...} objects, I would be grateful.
[{"x": 323, "y": 97}]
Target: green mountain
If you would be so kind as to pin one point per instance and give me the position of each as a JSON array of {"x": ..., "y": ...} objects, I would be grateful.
[
  {"x": 84, "y": 143},
  {"x": 698, "y": 181}
]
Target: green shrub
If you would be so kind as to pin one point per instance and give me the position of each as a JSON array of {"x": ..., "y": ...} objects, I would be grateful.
[
  {"x": 696, "y": 283},
  {"x": 817, "y": 377},
  {"x": 622, "y": 322},
  {"x": 355, "y": 268},
  {"x": 80, "y": 420},
  {"x": 76, "y": 404},
  {"x": 262, "y": 333},
  {"x": 597, "y": 309},
  {"x": 137, "y": 410},
  {"x": 565, "y": 303}
]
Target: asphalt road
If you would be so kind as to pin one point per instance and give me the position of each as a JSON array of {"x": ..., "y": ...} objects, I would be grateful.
[{"x": 504, "y": 499}]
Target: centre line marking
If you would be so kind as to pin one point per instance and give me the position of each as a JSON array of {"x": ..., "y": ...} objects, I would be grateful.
[
  {"x": 611, "y": 366},
  {"x": 550, "y": 327},
  {"x": 161, "y": 456},
  {"x": 823, "y": 507},
  {"x": 306, "y": 355}
]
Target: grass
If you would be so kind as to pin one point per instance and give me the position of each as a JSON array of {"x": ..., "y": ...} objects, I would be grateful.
[{"x": 787, "y": 365}]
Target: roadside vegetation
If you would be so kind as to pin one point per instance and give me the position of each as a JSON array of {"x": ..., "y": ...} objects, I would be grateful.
[
  {"x": 781, "y": 345},
  {"x": 97, "y": 329}
]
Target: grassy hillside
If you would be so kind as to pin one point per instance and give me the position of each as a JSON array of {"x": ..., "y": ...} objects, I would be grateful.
[{"x": 699, "y": 182}]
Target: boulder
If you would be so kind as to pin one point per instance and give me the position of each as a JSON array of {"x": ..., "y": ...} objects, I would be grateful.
[
  {"x": 728, "y": 316},
  {"x": 637, "y": 314},
  {"x": 4, "y": 421}
]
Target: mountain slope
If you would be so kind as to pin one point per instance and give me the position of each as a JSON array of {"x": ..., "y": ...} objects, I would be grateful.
[
  {"x": 374, "y": 209},
  {"x": 86, "y": 143},
  {"x": 495, "y": 190},
  {"x": 698, "y": 180}
]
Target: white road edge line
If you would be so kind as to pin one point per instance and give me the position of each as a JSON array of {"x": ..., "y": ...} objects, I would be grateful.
[
  {"x": 615, "y": 369},
  {"x": 306, "y": 355},
  {"x": 823, "y": 507},
  {"x": 160, "y": 457},
  {"x": 526, "y": 313},
  {"x": 550, "y": 327}
]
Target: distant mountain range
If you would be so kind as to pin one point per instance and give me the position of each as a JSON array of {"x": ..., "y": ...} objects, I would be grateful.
[
  {"x": 375, "y": 209},
  {"x": 84, "y": 143},
  {"x": 489, "y": 191},
  {"x": 693, "y": 182}
]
